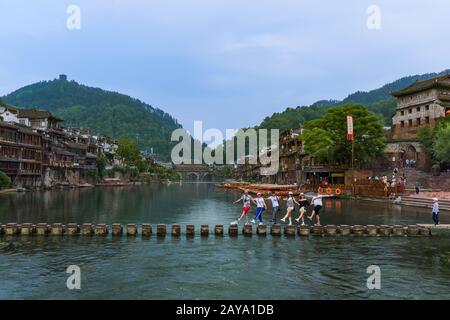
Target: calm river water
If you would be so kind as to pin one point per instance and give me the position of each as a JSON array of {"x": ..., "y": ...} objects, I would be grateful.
[{"x": 212, "y": 268}]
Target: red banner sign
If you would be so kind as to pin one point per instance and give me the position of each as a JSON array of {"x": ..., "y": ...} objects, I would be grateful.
[{"x": 350, "y": 128}]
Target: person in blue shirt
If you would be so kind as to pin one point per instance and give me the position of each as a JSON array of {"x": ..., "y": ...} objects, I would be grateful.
[{"x": 435, "y": 211}]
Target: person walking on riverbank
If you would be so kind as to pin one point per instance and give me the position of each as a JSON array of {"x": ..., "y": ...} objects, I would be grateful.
[
  {"x": 417, "y": 187},
  {"x": 317, "y": 202},
  {"x": 247, "y": 200},
  {"x": 435, "y": 211},
  {"x": 303, "y": 204},
  {"x": 260, "y": 207},
  {"x": 275, "y": 206},
  {"x": 290, "y": 207}
]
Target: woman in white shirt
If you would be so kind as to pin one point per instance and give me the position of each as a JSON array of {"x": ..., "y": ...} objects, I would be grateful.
[{"x": 290, "y": 206}]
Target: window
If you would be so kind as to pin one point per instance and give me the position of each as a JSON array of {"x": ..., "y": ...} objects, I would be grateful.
[
  {"x": 410, "y": 111},
  {"x": 402, "y": 124},
  {"x": 418, "y": 121},
  {"x": 418, "y": 109},
  {"x": 427, "y": 119},
  {"x": 410, "y": 122},
  {"x": 402, "y": 113},
  {"x": 427, "y": 107}
]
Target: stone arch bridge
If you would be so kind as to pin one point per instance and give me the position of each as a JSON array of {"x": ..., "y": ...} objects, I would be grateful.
[{"x": 197, "y": 172}]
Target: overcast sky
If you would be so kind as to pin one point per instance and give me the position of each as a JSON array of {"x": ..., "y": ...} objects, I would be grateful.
[{"x": 229, "y": 63}]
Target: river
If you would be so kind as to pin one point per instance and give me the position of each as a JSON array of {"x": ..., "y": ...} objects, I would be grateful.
[{"x": 212, "y": 268}]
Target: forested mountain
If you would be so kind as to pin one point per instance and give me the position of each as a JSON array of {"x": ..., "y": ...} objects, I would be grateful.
[
  {"x": 118, "y": 115},
  {"x": 379, "y": 101},
  {"x": 104, "y": 112}
]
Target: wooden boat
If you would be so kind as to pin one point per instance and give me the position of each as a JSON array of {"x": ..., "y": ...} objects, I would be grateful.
[
  {"x": 166, "y": 181},
  {"x": 85, "y": 185},
  {"x": 113, "y": 182}
]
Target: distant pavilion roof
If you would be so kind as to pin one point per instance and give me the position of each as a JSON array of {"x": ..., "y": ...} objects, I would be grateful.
[{"x": 437, "y": 82}]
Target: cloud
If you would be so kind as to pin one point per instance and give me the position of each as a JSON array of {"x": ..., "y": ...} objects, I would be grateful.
[
  {"x": 215, "y": 60},
  {"x": 277, "y": 42}
]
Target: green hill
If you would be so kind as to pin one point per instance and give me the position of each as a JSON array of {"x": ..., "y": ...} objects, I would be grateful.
[
  {"x": 104, "y": 112},
  {"x": 379, "y": 101}
]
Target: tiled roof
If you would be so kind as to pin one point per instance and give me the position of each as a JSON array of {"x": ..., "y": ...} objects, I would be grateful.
[
  {"x": 77, "y": 146},
  {"x": 19, "y": 128},
  {"x": 63, "y": 152},
  {"x": 9, "y": 108},
  {"x": 28, "y": 130},
  {"x": 424, "y": 85},
  {"x": 7, "y": 125},
  {"x": 36, "y": 114}
]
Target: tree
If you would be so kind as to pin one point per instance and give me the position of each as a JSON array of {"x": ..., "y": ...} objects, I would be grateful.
[
  {"x": 5, "y": 180},
  {"x": 441, "y": 145},
  {"x": 142, "y": 165},
  {"x": 127, "y": 151},
  {"x": 101, "y": 165},
  {"x": 426, "y": 138},
  {"x": 104, "y": 112},
  {"x": 326, "y": 138},
  {"x": 227, "y": 170},
  {"x": 164, "y": 173}
]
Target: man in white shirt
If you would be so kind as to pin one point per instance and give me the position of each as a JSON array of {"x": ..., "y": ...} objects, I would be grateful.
[
  {"x": 317, "y": 203},
  {"x": 275, "y": 206},
  {"x": 435, "y": 211}
]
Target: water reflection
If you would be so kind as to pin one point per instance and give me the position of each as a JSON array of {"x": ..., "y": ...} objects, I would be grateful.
[{"x": 214, "y": 267}]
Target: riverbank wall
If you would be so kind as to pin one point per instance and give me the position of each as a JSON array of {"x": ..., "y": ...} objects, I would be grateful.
[{"x": 54, "y": 177}]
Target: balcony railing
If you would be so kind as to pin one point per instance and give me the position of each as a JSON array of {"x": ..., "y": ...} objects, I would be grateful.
[{"x": 30, "y": 172}]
